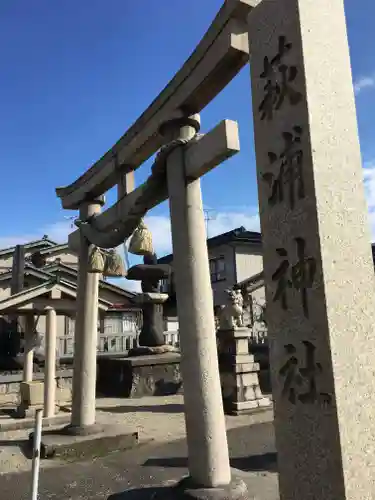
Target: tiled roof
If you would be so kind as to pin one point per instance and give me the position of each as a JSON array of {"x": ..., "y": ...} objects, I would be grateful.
[
  {"x": 53, "y": 270},
  {"x": 42, "y": 243}
]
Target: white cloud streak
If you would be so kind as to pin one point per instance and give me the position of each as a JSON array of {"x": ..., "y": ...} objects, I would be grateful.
[
  {"x": 221, "y": 222},
  {"x": 160, "y": 228},
  {"x": 364, "y": 83}
]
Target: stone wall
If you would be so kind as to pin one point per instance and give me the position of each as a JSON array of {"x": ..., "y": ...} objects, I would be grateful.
[{"x": 10, "y": 386}]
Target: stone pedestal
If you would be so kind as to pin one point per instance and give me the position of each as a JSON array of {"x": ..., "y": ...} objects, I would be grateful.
[
  {"x": 135, "y": 377},
  {"x": 239, "y": 373}
]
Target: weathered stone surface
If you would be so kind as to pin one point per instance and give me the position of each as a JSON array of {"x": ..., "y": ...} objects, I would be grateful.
[
  {"x": 317, "y": 258},
  {"x": 154, "y": 375},
  {"x": 144, "y": 272}
]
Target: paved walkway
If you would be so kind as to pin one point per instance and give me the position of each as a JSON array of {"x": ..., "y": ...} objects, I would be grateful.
[
  {"x": 252, "y": 455},
  {"x": 158, "y": 418},
  {"x": 159, "y": 462}
]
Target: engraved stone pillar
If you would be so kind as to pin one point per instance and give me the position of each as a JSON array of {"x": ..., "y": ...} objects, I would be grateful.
[
  {"x": 205, "y": 424},
  {"x": 50, "y": 364},
  {"x": 86, "y": 334},
  {"x": 318, "y": 265}
]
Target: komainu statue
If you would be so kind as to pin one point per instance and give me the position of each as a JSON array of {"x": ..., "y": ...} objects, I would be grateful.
[{"x": 231, "y": 314}]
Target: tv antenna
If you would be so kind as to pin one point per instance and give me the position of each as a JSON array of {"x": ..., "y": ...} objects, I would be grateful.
[{"x": 209, "y": 215}]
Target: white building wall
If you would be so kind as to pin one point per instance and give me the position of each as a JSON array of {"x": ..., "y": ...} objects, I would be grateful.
[{"x": 249, "y": 261}]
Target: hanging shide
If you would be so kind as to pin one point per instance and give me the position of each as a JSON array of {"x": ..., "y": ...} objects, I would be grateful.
[
  {"x": 114, "y": 265},
  {"x": 96, "y": 260},
  {"x": 141, "y": 241}
]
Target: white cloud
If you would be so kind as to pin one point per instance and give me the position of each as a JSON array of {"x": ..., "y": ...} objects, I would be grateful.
[
  {"x": 363, "y": 83},
  {"x": 159, "y": 226},
  {"x": 220, "y": 222},
  {"x": 369, "y": 181},
  {"x": 57, "y": 232},
  {"x": 131, "y": 286}
]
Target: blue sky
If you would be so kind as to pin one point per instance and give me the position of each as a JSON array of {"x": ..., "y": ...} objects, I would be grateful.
[{"x": 77, "y": 74}]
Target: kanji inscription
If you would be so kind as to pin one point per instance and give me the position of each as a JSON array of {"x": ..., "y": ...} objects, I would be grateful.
[
  {"x": 299, "y": 276},
  {"x": 289, "y": 170},
  {"x": 300, "y": 382},
  {"x": 279, "y": 82}
]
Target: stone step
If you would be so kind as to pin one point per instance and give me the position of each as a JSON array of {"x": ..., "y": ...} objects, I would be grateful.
[
  {"x": 58, "y": 443},
  {"x": 15, "y": 424}
]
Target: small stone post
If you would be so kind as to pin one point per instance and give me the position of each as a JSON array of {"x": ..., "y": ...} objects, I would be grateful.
[
  {"x": 50, "y": 364},
  {"x": 204, "y": 415},
  {"x": 28, "y": 359},
  {"x": 28, "y": 367},
  {"x": 86, "y": 334},
  {"x": 318, "y": 267}
]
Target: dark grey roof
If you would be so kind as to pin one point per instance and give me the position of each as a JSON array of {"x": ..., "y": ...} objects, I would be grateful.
[
  {"x": 55, "y": 248},
  {"x": 54, "y": 268},
  {"x": 238, "y": 236},
  {"x": 42, "y": 243},
  {"x": 29, "y": 270},
  {"x": 256, "y": 278}
]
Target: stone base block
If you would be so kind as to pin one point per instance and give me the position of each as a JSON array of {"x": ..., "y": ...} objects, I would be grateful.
[
  {"x": 59, "y": 443},
  {"x": 135, "y": 377},
  {"x": 87, "y": 430},
  {"x": 186, "y": 489},
  {"x": 244, "y": 407}
]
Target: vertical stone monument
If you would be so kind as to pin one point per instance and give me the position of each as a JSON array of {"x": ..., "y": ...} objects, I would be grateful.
[{"x": 317, "y": 257}]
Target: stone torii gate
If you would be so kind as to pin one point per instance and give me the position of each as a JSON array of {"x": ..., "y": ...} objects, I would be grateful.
[
  {"x": 176, "y": 174},
  {"x": 317, "y": 257},
  {"x": 171, "y": 121}
]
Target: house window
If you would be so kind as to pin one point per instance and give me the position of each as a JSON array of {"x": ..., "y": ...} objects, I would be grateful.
[{"x": 217, "y": 269}]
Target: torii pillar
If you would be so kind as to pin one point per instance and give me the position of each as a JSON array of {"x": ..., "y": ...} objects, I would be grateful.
[
  {"x": 204, "y": 415},
  {"x": 86, "y": 334}
]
